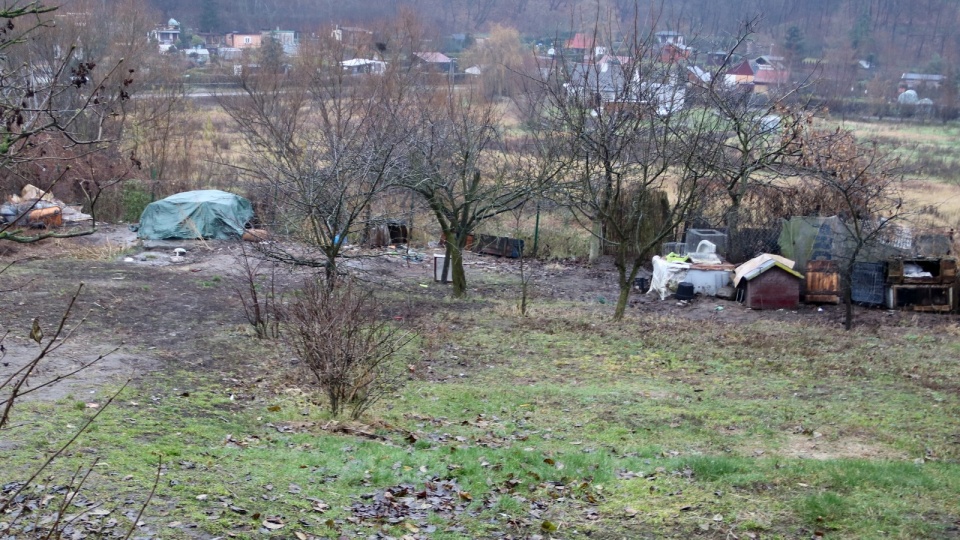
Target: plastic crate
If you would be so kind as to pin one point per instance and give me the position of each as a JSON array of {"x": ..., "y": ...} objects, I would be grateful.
[
  {"x": 695, "y": 236},
  {"x": 673, "y": 247}
]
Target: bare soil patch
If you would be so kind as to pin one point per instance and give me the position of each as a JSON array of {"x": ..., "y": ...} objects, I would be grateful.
[
  {"x": 821, "y": 448},
  {"x": 165, "y": 310}
]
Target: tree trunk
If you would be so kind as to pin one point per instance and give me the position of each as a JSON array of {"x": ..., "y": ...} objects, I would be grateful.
[
  {"x": 330, "y": 270},
  {"x": 459, "y": 277},
  {"x": 626, "y": 285},
  {"x": 622, "y": 300}
]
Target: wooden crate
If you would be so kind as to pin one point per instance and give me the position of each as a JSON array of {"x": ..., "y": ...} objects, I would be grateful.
[
  {"x": 944, "y": 271},
  {"x": 936, "y": 298},
  {"x": 822, "y": 283}
]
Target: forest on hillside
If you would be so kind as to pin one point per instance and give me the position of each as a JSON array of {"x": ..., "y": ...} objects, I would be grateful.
[{"x": 919, "y": 36}]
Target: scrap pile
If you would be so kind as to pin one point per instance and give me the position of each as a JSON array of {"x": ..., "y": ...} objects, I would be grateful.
[
  {"x": 38, "y": 209},
  {"x": 898, "y": 271}
]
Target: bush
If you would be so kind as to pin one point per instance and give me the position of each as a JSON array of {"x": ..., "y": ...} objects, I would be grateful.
[
  {"x": 339, "y": 334},
  {"x": 133, "y": 199}
]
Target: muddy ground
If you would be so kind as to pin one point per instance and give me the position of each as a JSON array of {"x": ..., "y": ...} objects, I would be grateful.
[{"x": 156, "y": 309}]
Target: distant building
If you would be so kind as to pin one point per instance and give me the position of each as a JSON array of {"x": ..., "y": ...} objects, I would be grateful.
[
  {"x": 358, "y": 66},
  {"x": 240, "y": 40},
  {"x": 435, "y": 61},
  {"x": 913, "y": 81},
  {"x": 672, "y": 47},
  {"x": 352, "y": 36},
  {"x": 167, "y": 35},
  {"x": 762, "y": 73},
  {"x": 613, "y": 87}
]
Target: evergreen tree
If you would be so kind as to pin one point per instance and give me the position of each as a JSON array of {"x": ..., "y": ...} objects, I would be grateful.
[
  {"x": 271, "y": 55},
  {"x": 209, "y": 16}
]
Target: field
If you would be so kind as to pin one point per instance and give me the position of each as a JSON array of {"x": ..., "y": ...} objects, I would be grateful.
[{"x": 698, "y": 421}]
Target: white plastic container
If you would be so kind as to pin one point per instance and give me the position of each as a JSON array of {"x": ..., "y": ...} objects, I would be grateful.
[{"x": 708, "y": 282}]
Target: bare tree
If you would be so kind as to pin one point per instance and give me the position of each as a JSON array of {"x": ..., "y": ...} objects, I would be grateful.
[
  {"x": 53, "y": 90},
  {"x": 632, "y": 177},
  {"x": 324, "y": 147},
  {"x": 456, "y": 160},
  {"x": 752, "y": 135},
  {"x": 863, "y": 185}
]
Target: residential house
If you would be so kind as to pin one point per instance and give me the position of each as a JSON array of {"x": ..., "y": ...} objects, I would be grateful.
[
  {"x": 770, "y": 71},
  {"x": 167, "y": 35},
  {"x": 698, "y": 76},
  {"x": 359, "y": 66},
  {"x": 241, "y": 40},
  {"x": 671, "y": 47},
  {"x": 613, "y": 87},
  {"x": 608, "y": 59},
  {"x": 580, "y": 46},
  {"x": 352, "y": 36},
  {"x": 914, "y": 81},
  {"x": 759, "y": 74},
  {"x": 435, "y": 61}
]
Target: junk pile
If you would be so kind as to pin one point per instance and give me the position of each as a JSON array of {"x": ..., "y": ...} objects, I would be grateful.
[
  {"x": 899, "y": 270},
  {"x": 38, "y": 209},
  {"x": 696, "y": 271}
]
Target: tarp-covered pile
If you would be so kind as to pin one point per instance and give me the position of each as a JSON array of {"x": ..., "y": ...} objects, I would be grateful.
[{"x": 207, "y": 214}]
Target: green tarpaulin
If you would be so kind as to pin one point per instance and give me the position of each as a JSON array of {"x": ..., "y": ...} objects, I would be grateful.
[{"x": 208, "y": 214}]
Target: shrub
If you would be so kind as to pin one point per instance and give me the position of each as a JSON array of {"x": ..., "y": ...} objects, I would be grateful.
[
  {"x": 350, "y": 350},
  {"x": 133, "y": 199}
]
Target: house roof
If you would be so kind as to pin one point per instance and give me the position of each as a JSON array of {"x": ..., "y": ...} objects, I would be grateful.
[
  {"x": 593, "y": 78},
  {"x": 922, "y": 77},
  {"x": 701, "y": 74},
  {"x": 580, "y": 41},
  {"x": 613, "y": 59},
  {"x": 743, "y": 68},
  {"x": 433, "y": 57},
  {"x": 358, "y": 62},
  {"x": 760, "y": 264}
]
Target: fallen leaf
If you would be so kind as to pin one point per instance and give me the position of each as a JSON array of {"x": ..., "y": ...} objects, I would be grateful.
[
  {"x": 273, "y": 408},
  {"x": 300, "y": 535},
  {"x": 273, "y": 523}
]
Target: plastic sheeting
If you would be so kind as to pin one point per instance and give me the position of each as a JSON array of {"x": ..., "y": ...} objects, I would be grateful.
[
  {"x": 208, "y": 214},
  {"x": 666, "y": 276},
  {"x": 805, "y": 239}
]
